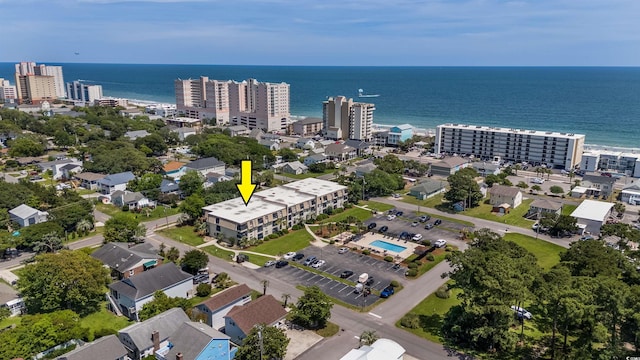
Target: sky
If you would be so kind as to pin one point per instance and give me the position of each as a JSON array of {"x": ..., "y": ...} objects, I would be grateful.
[{"x": 324, "y": 32}]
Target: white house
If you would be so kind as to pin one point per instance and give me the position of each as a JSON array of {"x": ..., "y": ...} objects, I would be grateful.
[
  {"x": 381, "y": 349},
  {"x": 219, "y": 305},
  {"x": 631, "y": 194},
  {"x": 305, "y": 143},
  {"x": 26, "y": 215},
  {"x": 591, "y": 215},
  {"x": 135, "y": 200},
  {"x": 315, "y": 159}
]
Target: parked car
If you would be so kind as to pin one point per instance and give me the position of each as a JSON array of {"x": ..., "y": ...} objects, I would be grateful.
[
  {"x": 424, "y": 218},
  {"x": 281, "y": 264},
  {"x": 404, "y": 235},
  {"x": 269, "y": 263},
  {"x": 343, "y": 250},
  {"x": 371, "y": 226},
  {"x": 396, "y": 196},
  {"x": 417, "y": 237},
  {"x": 318, "y": 264},
  {"x": 289, "y": 255},
  {"x": 428, "y": 226},
  {"x": 384, "y": 229},
  {"x": 310, "y": 260},
  {"x": 201, "y": 278},
  {"x": 440, "y": 243},
  {"x": 587, "y": 237},
  {"x": 537, "y": 181},
  {"x": 391, "y": 217},
  {"x": 298, "y": 256},
  {"x": 399, "y": 213},
  {"x": 346, "y": 274},
  {"x": 388, "y": 291},
  {"x": 414, "y": 224},
  {"x": 437, "y": 222},
  {"x": 521, "y": 313}
]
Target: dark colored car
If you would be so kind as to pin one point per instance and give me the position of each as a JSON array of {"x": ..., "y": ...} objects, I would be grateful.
[
  {"x": 372, "y": 225},
  {"x": 298, "y": 256},
  {"x": 437, "y": 222},
  {"x": 428, "y": 226},
  {"x": 370, "y": 281},
  {"x": 281, "y": 264},
  {"x": 404, "y": 235},
  {"x": 384, "y": 229},
  {"x": 388, "y": 291},
  {"x": 399, "y": 213},
  {"x": 345, "y": 274}
]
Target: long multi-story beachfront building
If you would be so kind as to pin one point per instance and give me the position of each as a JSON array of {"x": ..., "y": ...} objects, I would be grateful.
[
  {"x": 557, "y": 150},
  {"x": 254, "y": 104},
  {"x": 344, "y": 119},
  {"x": 626, "y": 163},
  {"x": 83, "y": 92},
  {"x": 37, "y": 83},
  {"x": 273, "y": 209}
]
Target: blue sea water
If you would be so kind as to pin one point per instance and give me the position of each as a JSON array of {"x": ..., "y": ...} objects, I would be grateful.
[{"x": 601, "y": 102}]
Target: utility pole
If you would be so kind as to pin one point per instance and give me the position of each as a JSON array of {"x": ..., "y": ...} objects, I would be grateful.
[{"x": 261, "y": 344}]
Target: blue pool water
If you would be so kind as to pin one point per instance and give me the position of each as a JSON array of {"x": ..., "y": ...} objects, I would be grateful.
[{"x": 388, "y": 246}]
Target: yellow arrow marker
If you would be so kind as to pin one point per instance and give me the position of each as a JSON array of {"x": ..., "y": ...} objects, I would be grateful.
[{"x": 245, "y": 187}]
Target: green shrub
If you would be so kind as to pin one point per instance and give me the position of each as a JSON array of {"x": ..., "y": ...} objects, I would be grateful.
[
  {"x": 426, "y": 242},
  {"x": 443, "y": 292},
  {"x": 413, "y": 265},
  {"x": 411, "y": 321},
  {"x": 105, "y": 332},
  {"x": 366, "y": 252},
  {"x": 430, "y": 257},
  {"x": 412, "y": 272},
  {"x": 322, "y": 217},
  {"x": 388, "y": 258},
  {"x": 395, "y": 283},
  {"x": 203, "y": 290},
  {"x": 125, "y": 207},
  {"x": 348, "y": 205},
  {"x": 448, "y": 248},
  {"x": 332, "y": 242}
]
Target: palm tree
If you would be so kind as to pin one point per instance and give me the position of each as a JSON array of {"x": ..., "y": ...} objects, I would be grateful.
[
  {"x": 517, "y": 167},
  {"x": 265, "y": 284},
  {"x": 285, "y": 298},
  {"x": 83, "y": 226},
  {"x": 50, "y": 242},
  {"x": 173, "y": 254},
  {"x": 368, "y": 337}
]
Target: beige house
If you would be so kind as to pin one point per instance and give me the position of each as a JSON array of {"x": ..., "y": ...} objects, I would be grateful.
[{"x": 503, "y": 198}]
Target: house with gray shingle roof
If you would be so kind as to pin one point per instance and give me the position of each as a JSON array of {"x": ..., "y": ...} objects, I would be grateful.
[
  {"x": 133, "y": 199},
  {"x": 132, "y": 293},
  {"x": 112, "y": 182},
  {"x": 136, "y": 134},
  {"x": 315, "y": 159},
  {"x": 271, "y": 145},
  {"x": 25, "y": 215},
  {"x": 541, "y": 206},
  {"x": 125, "y": 261},
  {"x": 294, "y": 167},
  {"x": 631, "y": 194},
  {"x": 503, "y": 198},
  {"x": 449, "y": 166},
  {"x": 241, "y": 319},
  {"x": 427, "y": 188},
  {"x": 206, "y": 165},
  {"x": 144, "y": 338},
  {"x": 198, "y": 341},
  {"x": 89, "y": 180},
  {"x": 105, "y": 348}
]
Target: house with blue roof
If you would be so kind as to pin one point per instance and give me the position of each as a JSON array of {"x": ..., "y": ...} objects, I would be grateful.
[
  {"x": 399, "y": 133},
  {"x": 113, "y": 182}
]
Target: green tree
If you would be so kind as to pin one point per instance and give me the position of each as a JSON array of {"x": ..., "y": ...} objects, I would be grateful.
[
  {"x": 66, "y": 280},
  {"x": 123, "y": 228},
  {"x": 390, "y": 164},
  {"x": 464, "y": 188},
  {"x": 492, "y": 179},
  {"x": 192, "y": 206},
  {"x": 191, "y": 183},
  {"x": 50, "y": 242},
  {"x": 161, "y": 303},
  {"x": 263, "y": 342},
  {"x": 26, "y": 146},
  {"x": 619, "y": 208},
  {"x": 67, "y": 216},
  {"x": 194, "y": 260},
  {"x": 381, "y": 183},
  {"x": 203, "y": 290},
  {"x": 368, "y": 337},
  {"x": 536, "y": 188},
  {"x": 313, "y": 309},
  {"x": 173, "y": 254},
  {"x": 32, "y": 234},
  {"x": 154, "y": 142},
  {"x": 558, "y": 224},
  {"x": 555, "y": 189},
  {"x": 148, "y": 184},
  {"x": 522, "y": 185},
  {"x": 288, "y": 155}
]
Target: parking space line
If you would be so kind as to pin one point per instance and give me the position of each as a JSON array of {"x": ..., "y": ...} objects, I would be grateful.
[
  {"x": 346, "y": 286},
  {"x": 337, "y": 284}
]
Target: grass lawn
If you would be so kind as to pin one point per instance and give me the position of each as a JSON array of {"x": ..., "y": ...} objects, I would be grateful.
[
  {"x": 157, "y": 213},
  {"x": 184, "y": 234},
  {"x": 360, "y": 214},
  {"x": 374, "y": 205},
  {"x": 217, "y": 252},
  {"x": 104, "y": 319},
  {"x": 329, "y": 330},
  {"x": 308, "y": 174},
  {"x": 431, "y": 202},
  {"x": 431, "y": 312},
  {"x": 514, "y": 218},
  {"x": 548, "y": 254},
  {"x": 257, "y": 259},
  {"x": 10, "y": 321},
  {"x": 567, "y": 209},
  {"x": 293, "y": 241},
  {"x": 82, "y": 191}
]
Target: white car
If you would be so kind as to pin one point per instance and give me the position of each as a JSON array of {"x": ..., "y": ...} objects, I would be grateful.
[
  {"x": 289, "y": 255},
  {"x": 391, "y": 217},
  {"x": 417, "y": 237},
  {"x": 318, "y": 264},
  {"x": 522, "y": 313},
  {"x": 537, "y": 180},
  {"x": 343, "y": 250},
  {"x": 440, "y": 243}
]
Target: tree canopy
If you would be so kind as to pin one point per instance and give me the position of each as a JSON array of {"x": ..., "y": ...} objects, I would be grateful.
[
  {"x": 161, "y": 303},
  {"x": 123, "y": 227},
  {"x": 263, "y": 342},
  {"x": 313, "y": 309},
  {"x": 464, "y": 188},
  {"x": 194, "y": 260}
]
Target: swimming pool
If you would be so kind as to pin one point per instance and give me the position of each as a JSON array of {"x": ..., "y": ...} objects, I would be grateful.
[{"x": 388, "y": 246}]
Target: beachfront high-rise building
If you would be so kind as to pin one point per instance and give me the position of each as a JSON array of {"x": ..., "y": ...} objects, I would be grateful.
[
  {"x": 37, "y": 83},
  {"x": 83, "y": 92},
  {"x": 557, "y": 150},
  {"x": 8, "y": 92},
  {"x": 253, "y": 104},
  {"x": 344, "y": 119}
]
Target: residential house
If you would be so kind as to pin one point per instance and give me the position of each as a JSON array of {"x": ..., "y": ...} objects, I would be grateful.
[
  {"x": 8, "y": 178},
  {"x": 136, "y": 134},
  {"x": 363, "y": 148},
  {"x": 365, "y": 168},
  {"x": 130, "y": 294},
  {"x": 427, "y": 188},
  {"x": 591, "y": 215},
  {"x": 294, "y": 167},
  {"x": 305, "y": 144},
  {"x": 218, "y": 306},
  {"x": 206, "y": 165},
  {"x": 125, "y": 261},
  {"x": 271, "y": 145},
  {"x": 114, "y": 182},
  {"x": 89, "y": 180},
  {"x": 398, "y": 134},
  {"x": 145, "y": 338},
  {"x": 598, "y": 185},
  {"x": 174, "y": 169},
  {"x": 308, "y": 126},
  {"x": 238, "y": 130},
  {"x": 212, "y": 178},
  {"x": 271, "y": 137},
  {"x": 131, "y": 113},
  {"x": 241, "y": 319},
  {"x": 449, "y": 166},
  {"x": 169, "y": 187},
  {"x": 315, "y": 159},
  {"x": 197, "y": 341},
  {"x": 56, "y": 165},
  {"x": 256, "y": 134},
  {"x": 544, "y": 206},
  {"x": 25, "y": 215},
  {"x": 133, "y": 199},
  {"x": 184, "y": 132},
  {"x": 503, "y": 198},
  {"x": 631, "y": 194},
  {"x": 381, "y": 349},
  {"x": 67, "y": 171},
  {"x": 486, "y": 168},
  {"x": 105, "y": 348},
  {"x": 340, "y": 152}
]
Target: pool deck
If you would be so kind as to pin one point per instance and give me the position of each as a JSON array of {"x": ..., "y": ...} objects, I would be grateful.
[{"x": 369, "y": 237}]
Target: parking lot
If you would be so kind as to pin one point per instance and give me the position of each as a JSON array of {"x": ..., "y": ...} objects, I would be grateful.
[{"x": 381, "y": 271}]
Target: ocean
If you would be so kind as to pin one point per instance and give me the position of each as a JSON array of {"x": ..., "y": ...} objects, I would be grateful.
[{"x": 601, "y": 102}]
